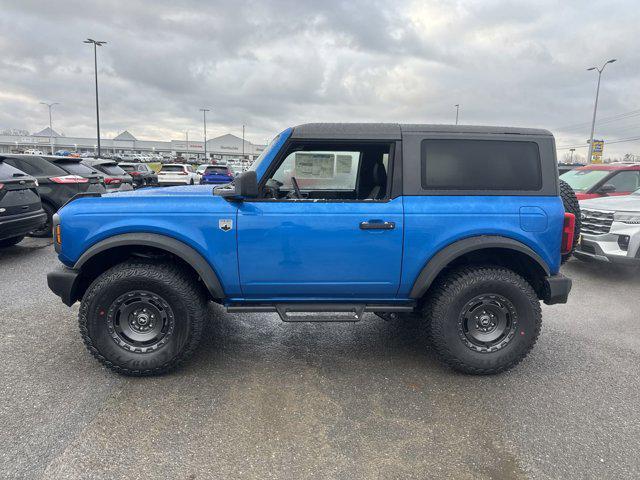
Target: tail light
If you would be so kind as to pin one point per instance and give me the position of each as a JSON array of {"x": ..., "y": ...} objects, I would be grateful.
[
  {"x": 69, "y": 179},
  {"x": 112, "y": 181},
  {"x": 134, "y": 174},
  {"x": 1, "y": 186},
  {"x": 568, "y": 232}
]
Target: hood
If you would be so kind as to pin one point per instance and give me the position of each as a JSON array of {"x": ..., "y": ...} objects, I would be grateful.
[
  {"x": 179, "y": 191},
  {"x": 624, "y": 203}
]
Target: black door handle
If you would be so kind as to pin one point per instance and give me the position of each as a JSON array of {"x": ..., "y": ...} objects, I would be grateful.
[{"x": 377, "y": 225}]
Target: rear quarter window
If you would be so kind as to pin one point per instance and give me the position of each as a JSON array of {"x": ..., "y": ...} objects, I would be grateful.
[{"x": 450, "y": 164}]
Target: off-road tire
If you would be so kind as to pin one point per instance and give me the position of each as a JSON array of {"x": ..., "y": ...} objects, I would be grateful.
[
  {"x": 10, "y": 242},
  {"x": 571, "y": 205},
  {"x": 447, "y": 301},
  {"x": 172, "y": 282},
  {"x": 46, "y": 230}
]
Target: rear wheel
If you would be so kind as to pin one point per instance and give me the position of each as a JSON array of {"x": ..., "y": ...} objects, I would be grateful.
[
  {"x": 571, "y": 205},
  {"x": 9, "y": 242},
  {"x": 140, "y": 318},
  {"x": 483, "y": 320},
  {"x": 45, "y": 230}
]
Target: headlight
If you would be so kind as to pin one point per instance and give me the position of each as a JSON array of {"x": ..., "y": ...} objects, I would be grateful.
[{"x": 633, "y": 218}]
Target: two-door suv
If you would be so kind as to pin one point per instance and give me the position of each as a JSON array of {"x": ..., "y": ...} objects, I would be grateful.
[{"x": 462, "y": 225}]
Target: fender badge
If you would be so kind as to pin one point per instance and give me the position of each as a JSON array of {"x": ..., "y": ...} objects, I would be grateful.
[{"x": 225, "y": 224}]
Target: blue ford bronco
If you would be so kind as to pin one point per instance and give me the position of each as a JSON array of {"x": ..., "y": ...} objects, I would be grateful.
[{"x": 463, "y": 226}]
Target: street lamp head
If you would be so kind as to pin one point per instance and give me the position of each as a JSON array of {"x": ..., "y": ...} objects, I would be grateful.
[
  {"x": 592, "y": 68},
  {"x": 98, "y": 43},
  {"x": 612, "y": 60}
]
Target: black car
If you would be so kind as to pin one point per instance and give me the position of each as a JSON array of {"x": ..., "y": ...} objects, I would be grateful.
[
  {"x": 142, "y": 174},
  {"x": 59, "y": 179},
  {"x": 115, "y": 178},
  {"x": 20, "y": 208}
]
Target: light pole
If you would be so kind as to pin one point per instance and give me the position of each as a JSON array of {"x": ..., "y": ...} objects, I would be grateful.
[
  {"x": 187, "y": 136},
  {"x": 96, "y": 44},
  {"x": 571, "y": 150},
  {"x": 595, "y": 106},
  {"x": 243, "y": 143},
  {"x": 457, "y": 105},
  {"x": 204, "y": 118},
  {"x": 50, "y": 124}
]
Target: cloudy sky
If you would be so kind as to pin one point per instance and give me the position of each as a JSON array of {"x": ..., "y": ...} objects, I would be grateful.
[{"x": 271, "y": 64}]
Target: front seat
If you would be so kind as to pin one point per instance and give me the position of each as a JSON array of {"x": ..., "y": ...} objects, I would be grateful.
[{"x": 379, "y": 189}]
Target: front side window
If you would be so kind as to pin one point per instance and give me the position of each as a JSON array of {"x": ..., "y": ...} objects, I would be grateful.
[
  {"x": 449, "y": 164},
  {"x": 628, "y": 181},
  {"x": 321, "y": 170},
  {"x": 332, "y": 171}
]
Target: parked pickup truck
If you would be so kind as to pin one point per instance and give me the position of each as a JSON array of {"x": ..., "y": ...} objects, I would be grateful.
[{"x": 464, "y": 226}]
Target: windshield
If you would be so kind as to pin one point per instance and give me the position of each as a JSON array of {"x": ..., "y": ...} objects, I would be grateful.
[
  {"x": 112, "y": 169},
  {"x": 128, "y": 168},
  {"x": 214, "y": 170},
  {"x": 77, "y": 168},
  {"x": 172, "y": 168},
  {"x": 583, "y": 180},
  {"x": 269, "y": 152}
]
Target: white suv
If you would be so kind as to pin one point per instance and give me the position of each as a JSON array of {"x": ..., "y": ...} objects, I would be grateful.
[
  {"x": 610, "y": 229},
  {"x": 177, "y": 174}
]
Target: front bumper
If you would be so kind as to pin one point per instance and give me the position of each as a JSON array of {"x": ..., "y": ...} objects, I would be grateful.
[
  {"x": 606, "y": 247},
  {"x": 556, "y": 289},
  {"x": 64, "y": 283},
  {"x": 17, "y": 225}
]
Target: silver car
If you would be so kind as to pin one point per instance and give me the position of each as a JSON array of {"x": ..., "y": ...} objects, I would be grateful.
[{"x": 611, "y": 229}]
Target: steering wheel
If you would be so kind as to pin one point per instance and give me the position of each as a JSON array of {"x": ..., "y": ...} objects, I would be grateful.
[{"x": 296, "y": 188}]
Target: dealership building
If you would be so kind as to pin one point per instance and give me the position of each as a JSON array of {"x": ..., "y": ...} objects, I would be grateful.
[{"x": 225, "y": 147}]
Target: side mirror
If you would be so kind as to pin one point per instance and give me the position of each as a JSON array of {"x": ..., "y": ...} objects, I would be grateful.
[
  {"x": 245, "y": 186},
  {"x": 606, "y": 188}
]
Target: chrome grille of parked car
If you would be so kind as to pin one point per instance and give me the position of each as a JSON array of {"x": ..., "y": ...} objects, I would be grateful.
[{"x": 596, "y": 222}]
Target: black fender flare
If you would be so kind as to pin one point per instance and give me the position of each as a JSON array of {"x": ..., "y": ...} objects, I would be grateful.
[
  {"x": 454, "y": 250},
  {"x": 163, "y": 242}
]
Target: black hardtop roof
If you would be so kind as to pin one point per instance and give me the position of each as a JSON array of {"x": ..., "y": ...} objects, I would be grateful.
[{"x": 393, "y": 131}]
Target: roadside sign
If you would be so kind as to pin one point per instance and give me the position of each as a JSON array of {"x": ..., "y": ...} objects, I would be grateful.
[{"x": 597, "y": 150}]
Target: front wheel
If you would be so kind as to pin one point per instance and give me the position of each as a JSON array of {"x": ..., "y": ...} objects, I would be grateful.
[
  {"x": 484, "y": 320},
  {"x": 140, "y": 318}
]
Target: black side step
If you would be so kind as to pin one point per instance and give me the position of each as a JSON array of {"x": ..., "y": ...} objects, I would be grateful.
[{"x": 353, "y": 311}]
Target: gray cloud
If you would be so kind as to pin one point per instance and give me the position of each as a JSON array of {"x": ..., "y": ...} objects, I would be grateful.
[{"x": 273, "y": 64}]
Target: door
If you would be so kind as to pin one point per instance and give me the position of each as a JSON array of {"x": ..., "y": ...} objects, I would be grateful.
[{"x": 342, "y": 240}]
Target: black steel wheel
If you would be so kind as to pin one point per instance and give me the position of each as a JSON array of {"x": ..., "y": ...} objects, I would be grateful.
[
  {"x": 487, "y": 323},
  {"x": 143, "y": 318},
  {"x": 140, "y": 321},
  {"x": 483, "y": 319}
]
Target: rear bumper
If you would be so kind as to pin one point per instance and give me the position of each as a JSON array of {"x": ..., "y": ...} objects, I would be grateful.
[
  {"x": 17, "y": 225},
  {"x": 556, "y": 289},
  {"x": 64, "y": 282}
]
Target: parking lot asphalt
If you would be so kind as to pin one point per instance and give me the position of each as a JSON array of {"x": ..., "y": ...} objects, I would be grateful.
[{"x": 264, "y": 399}]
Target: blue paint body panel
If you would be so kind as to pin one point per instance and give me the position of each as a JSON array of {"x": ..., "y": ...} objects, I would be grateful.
[
  {"x": 434, "y": 222},
  {"x": 189, "y": 214},
  {"x": 303, "y": 250},
  {"x": 299, "y": 249}
]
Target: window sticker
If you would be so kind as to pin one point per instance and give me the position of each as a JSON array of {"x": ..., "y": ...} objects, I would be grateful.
[
  {"x": 343, "y": 163},
  {"x": 314, "y": 165}
]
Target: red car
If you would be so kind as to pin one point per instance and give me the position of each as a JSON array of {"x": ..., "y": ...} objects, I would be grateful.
[{"x": 600, "y": 180}]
